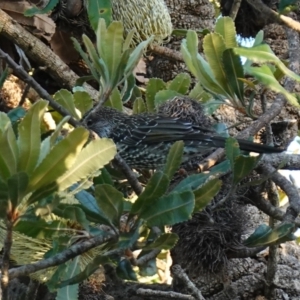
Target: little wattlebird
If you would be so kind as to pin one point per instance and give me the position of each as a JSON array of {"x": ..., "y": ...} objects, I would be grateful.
[{"x": 144, "y": 140}]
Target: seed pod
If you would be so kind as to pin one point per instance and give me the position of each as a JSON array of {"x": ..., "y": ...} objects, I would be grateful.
[{"x": 146, "y": 17}]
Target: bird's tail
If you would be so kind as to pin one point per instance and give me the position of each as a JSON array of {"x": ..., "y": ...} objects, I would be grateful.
[{"x": 219, "y": 142}]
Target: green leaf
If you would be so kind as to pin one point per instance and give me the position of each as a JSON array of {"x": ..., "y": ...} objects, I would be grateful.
[
  {"x": 112, "y": 45},
  {"x": 156, "y": 187},
  {"x": 225, "y": 27},
  {"x": 70, "y": 292},
  {"x": 214, "y": 47},
  {"x": 66, "y": 100},
  {"x": 206, "y": 193},
  {"x": 139, "y": 106},
  {"x": 39, "y": 228},
  {"x": 83, "y": 101},
  {"x": 234, "y": 70},
  {"x": 164, "y": 95},
  {"x": 266, "y": 77},
  {"x": 50, "y": 141},
  {"x": 92, "y": 267},
  {"x": 128, "y": 89},
  {"x": 165, "y": 241},
  {"x": 174, "y": 159},
  {"x": 153, "y": 86},
  {"x": 97, "y": 9},
  {"x": 110, "y": 201},
  {"x": 16, "y": 114},
  {"x": 232, "y": 150},
  {"x": 180, "y": 83},
  {"x": 115, "y": 100},
  {"x": 17, "y": 185},
  {"x": 9, "y": 154},
  {"x": 263, "y": 54},
  {"x": 35, "y": 10},
  {"x": 92, "y": 158},
  {"x": 136, "y": 55},
  {"x": 29, "y": 140},
  {"x": 198, "y": 93},
  {"x": 243, "y": 165},
  {"x": 3, "y": 194},
  {"x": 59, "y": 160},
  {"x": 73, "y": 213},
  {"x": 198, "y": 66},
  {"x": 192, "y": 182},
  {"x": 265, "y": 236},
  {"x": 169, "y": 210},
  {"x": 124, "y": 270}
]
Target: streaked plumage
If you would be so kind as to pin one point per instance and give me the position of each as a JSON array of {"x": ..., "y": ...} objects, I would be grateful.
[{"x": 144, "y": 140}]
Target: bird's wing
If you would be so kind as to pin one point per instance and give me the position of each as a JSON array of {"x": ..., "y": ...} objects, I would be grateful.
[{"x": 156, "y": 130}]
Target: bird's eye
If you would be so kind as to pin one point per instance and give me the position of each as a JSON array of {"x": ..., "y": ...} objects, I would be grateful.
[{"x": 89, "y": 122}]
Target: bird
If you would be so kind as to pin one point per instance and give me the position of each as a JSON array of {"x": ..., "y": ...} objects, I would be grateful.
[{"x": 144, "y": 140}]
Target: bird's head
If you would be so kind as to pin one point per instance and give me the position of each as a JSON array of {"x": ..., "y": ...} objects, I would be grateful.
[{"x": 103, "y": 120}]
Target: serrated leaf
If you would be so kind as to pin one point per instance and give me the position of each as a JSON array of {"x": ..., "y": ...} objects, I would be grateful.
[
  {"x": 97, "y": 9},
  {"x": 206, "y": 193},
  {"x": 153, "y": 86},
  {"x": 17, "y": 185},
  {"x": 115, "y": 100},
  {"x": 164, "y": 95},
  {"x": 165, "y": 241},
  {"x": 139, "y": 106},
  {"x": 198, "y": 66},
  {"x": 156, "y": 187},
  {"x": 225, "y": 27},
  {"x": 232, "y": 150},
  {"x": 169, "y": 210},
  {"x": 59, "y": 160},
  {"x": 174, "y": 159},
  {"x": 3, "y": 195},
  {"x": 234, "y": 71},
  {"x": 83, "y": 101},
  {"x": 92, "y": 157},
  {"x": 198, "y": 93},
  {"x": 180, "y": 83},
  {"x": 266, "y": 77},
  {"x": 136, "y": 55},
  {"x": 49, "y": 142},
  {"x": 243, "y": 165},
  {"x": 214, "y": 47},
  {"x": 29, "y": 140},
  {"x": 128, "y": 89},
  {"x": 66, "y": 100},
  {"x": 110, "y": 202},
  {"x": 263, "y": 54}
]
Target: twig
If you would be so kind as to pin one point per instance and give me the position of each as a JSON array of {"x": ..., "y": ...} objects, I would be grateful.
[
  {"x": 145, "y": 258},
  {"x": 180, "y": 274},
  {"x": 168, "y": 294},
  {"x": 273, "y": 250},
  {"x": 61, "y": 257},
  {"x": 167, "y": 52},
  {"x": 131, "y": 177},
  {"x": 23, "y": 75}
]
